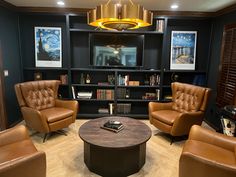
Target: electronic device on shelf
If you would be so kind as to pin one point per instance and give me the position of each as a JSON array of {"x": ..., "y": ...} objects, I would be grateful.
[{"x": 109, "y": 50}]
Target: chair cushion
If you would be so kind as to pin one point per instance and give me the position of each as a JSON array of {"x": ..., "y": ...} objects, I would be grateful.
[
  {"x": 56, "y": 113},
  {"x": 210, "y": 152},
  {"x": 16, "y": 150},
  {"x": 166, "y": 116}
]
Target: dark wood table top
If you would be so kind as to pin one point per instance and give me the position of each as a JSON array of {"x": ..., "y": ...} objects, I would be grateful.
[{"x": 134, "y": 133}]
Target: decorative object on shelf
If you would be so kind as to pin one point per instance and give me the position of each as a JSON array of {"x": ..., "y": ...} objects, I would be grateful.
[
  {"x": 158, "y": 94},
  {"x": 168, "y": 97},
  {"x": 183, "y": 50},
  {"x": 82, "y": 78},
  {"x": 38, "y": 76},
  {"x": 64, "y": 79},
  {"x": 88, "y": 79},
  {"x": 134, "y": 83},
  {"x": 111, "y": 108},
  {"x": 119, "y": 16},
  {"x": 149, "y": 96},
  {"x": 111, "y": 79},
  {"x": 127, "y": 94},
  {"x": 160, "y": 25},
  {"x": 147, "y": 80},
  {"x": 174, "y": 77},
  {"x": 48, "y": 52},
  {"x": 73, "y": 92}
]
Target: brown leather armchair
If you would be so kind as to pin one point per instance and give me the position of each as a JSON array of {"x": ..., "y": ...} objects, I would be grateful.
[
  {"x": 41, "y": 108},
  {"x": 19, "y": 157},
  {"x": 208, "y": 153},
  {"x": 187, "y": 108}
]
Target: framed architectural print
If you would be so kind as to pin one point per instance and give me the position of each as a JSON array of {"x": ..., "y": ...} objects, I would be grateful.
[
  {"x": 183, "y": 50},
  {"x": 48, "y": 50}
]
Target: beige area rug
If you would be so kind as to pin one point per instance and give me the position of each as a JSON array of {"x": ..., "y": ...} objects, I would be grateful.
[{"x": 65, "y": 154}]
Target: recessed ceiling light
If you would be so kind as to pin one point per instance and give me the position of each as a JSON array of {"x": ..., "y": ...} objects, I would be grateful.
[
  {"x": 174, "y": 6},
  {"x": 60, "y": 3}
]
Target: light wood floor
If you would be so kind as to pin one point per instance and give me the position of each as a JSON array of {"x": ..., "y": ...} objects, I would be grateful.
[{"x": 65, "y": 154}]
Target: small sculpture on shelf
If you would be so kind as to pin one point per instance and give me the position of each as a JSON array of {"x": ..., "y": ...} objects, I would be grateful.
[
  {"x": 88, "y": 79},
  {"x": 82, "y": 78}
]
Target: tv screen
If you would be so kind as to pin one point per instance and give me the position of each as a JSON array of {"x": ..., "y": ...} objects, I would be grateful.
[
  {"x": 116, "y": 50},
  {"x": 109, "y": 56}
]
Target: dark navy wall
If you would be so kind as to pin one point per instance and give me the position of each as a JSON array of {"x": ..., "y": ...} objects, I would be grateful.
[
  {"x": 11, "y": 60},
  {"x": 218, "y": 28}
]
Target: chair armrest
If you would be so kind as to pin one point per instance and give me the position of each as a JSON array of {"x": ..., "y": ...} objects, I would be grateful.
[
  {"x": 195, "y": 165},
  {"x": 156, "y": 106},
  {"x": 15, "y": 134},
  {"x": 184, "y": 122},
  {"x": 69, "y": 104},
  {"x": 201, "y": 134},
  {"x": 26, "y": 166},
  {"x": 34, "y": 119}
]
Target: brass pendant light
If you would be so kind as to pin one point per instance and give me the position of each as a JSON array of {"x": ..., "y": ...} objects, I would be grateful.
[{"x": 119, "y": 16}]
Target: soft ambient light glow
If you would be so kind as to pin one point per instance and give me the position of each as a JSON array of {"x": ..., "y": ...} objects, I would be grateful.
[
  {"x": 60, "y": 3},
  {"x": 119, "y": 17},
  {"x": 174, "y": 6}
]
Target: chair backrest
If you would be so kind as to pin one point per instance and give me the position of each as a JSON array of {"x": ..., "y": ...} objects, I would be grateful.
[
  {"x": 37, "y": 94},
  {"x": 189, "y": 98}
]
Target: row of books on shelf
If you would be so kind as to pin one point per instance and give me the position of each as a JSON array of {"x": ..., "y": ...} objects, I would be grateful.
[
  {"x": 105, "y": 94},
  {"x": 121, "y": 108}
]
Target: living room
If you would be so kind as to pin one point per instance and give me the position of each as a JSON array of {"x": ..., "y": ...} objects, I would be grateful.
[{"x": 117, "y": 72}]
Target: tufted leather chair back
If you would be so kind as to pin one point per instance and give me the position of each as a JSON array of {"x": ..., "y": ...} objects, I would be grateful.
[
  {"x": 188, "y": 98},
  {"x": 37, "y": 94}
]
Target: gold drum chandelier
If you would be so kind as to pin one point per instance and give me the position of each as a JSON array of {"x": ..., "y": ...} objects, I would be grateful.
[{"x": 119, "y": 16}]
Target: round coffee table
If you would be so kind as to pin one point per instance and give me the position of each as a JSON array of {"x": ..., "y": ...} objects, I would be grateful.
[{"x": 115, "y": 154}]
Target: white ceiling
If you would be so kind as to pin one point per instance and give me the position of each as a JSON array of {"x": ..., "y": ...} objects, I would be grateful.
[{"x": 184, "y": 5}]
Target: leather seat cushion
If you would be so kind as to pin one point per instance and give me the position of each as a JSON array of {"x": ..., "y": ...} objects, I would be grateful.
[
  {"x": 16, "y": 150},
  {"x": 166, "y": 116},
  {"x": 210, "y": 152},
  {"x": 56, "y": 113}
]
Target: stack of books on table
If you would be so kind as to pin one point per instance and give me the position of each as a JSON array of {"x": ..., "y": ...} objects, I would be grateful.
[{"x": 113, "y": 125}]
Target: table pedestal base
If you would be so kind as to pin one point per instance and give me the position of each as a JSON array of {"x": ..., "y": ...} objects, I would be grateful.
[{"x": 115, "y": 162}]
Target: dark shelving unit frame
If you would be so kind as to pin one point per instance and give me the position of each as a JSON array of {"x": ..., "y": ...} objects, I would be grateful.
[{"x": 76, "y": 59}]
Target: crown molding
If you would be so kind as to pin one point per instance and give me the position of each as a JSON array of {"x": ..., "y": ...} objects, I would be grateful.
[
  {"x": 83, "y": 11},
  {"x": 183, "y": 13},
  {"x": 8, "y": 5},
  {"x": 55, "y": 10},
  {"x": 226, "y": 10}
]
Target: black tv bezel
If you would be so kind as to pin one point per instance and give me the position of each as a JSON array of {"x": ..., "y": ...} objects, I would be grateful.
[{"x": 140, "y": 52}]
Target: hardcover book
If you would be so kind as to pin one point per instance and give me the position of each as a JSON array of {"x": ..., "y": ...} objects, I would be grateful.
[{"x": 114, "y": 126}]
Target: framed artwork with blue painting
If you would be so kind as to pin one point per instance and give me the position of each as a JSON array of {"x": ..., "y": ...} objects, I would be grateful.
[
  {"x": 48, "y": 50},
  {"x": 183, "y": 50}
]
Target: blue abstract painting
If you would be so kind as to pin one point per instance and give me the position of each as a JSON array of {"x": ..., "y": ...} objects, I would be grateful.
[
  {"x": 183, "y": 50},
  {"x": 48, "y": 51}
]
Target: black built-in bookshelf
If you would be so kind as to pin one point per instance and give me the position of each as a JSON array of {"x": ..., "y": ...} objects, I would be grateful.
[{"x": 77, "y": 60}]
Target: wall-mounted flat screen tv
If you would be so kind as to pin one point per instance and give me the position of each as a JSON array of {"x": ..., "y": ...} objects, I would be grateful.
[{"x": 116, "y": 50}]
